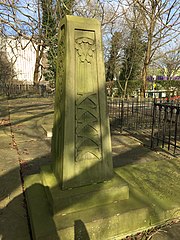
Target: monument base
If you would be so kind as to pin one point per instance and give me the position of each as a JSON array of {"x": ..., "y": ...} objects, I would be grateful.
[
  {"x": 98, "y": 211},
  {"x": 81, "y": 198}
]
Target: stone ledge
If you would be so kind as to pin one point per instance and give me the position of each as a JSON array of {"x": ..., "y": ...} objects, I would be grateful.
[
  {"x": 68, "y": 201},
  {"x": 42, "y": 225},
  {"x": 111, "y": 217},
  {"x": 107, "y": 221}
]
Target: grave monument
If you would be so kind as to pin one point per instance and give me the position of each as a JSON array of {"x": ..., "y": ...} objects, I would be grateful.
[
  {"x": 81, "y": 139},
  {"x": 76, "y": 197}
]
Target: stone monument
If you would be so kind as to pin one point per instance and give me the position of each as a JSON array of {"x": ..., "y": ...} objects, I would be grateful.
[
  {"x": 80, "y": 188},
  {"x": 81, "y": 138}
]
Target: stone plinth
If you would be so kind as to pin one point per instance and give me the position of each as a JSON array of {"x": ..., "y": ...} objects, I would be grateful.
[{"x": 81, "y": 182}]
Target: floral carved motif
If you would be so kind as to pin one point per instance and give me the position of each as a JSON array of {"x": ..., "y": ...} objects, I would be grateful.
[{"x": 85, "y": 48}]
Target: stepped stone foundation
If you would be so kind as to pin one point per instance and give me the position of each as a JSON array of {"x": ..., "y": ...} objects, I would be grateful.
[{"x": 79, "y": 196}]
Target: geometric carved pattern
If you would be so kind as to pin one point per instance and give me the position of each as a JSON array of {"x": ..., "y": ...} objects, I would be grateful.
[{"x": 88, "y": 140}]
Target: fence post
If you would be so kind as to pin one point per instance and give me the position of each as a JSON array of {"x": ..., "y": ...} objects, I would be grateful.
[
  {"x": 164, "y": 125},
  {"x": 153, "y": 123},
  {"x": 122, "y": 115},
  {"x": 137, "y": 108},
  {"x": 170, "y": 125},
  {"x": 119, "y": 115},
  {"x": 176, "y": 127}
]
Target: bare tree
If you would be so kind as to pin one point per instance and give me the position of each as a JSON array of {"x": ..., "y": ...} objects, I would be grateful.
[
  {"x": 22, "y": 20},
  {"x": 159, "y": 21},
  {"x": 109, "y": 13},
  {"x": 168, "y": 64}
]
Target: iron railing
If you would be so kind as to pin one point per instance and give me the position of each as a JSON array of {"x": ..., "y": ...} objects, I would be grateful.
[
  {"x": 130, "y": 114},
  {"x": 166, "y": 126}
]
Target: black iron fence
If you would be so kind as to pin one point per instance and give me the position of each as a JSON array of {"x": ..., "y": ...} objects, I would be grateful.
[
  {"x": 159, "y": 118},
  {"x": 166, "y": 126},
  {"x": 130, "y": 114}
]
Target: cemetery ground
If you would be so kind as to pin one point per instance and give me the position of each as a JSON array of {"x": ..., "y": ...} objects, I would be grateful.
[{"x": 25, "y": 145}]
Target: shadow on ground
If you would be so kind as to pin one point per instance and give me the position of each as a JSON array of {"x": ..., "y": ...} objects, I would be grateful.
[{"x": 153, "y": 181}]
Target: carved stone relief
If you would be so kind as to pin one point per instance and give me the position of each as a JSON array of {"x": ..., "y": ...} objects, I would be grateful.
[
  {"x": 85, "y": 48},
  {"x": 88, "y": 145},
  {"x": 88, "y": 137}
]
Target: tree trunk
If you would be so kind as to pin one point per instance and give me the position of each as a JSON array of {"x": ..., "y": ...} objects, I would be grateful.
[
  {"x": 149, "y": 47},
  {"x": 125, "y": 89},
  {"x": 145, "y": 65},
  {"x": 39, "y": 54},
  {"x": 144, "y": 78}
]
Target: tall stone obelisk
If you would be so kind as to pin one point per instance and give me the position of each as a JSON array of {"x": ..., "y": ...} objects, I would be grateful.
[{"x": 81, "y": 144}]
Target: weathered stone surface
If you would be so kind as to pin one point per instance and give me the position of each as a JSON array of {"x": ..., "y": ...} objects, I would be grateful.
[
  {"x": 77, "y": 199},
  {"x": 157, "y": 184},
  {"x": 42, "y": 224},
  {"x": 107, "y": 222},
  {"x": 81, "y": 143}
]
